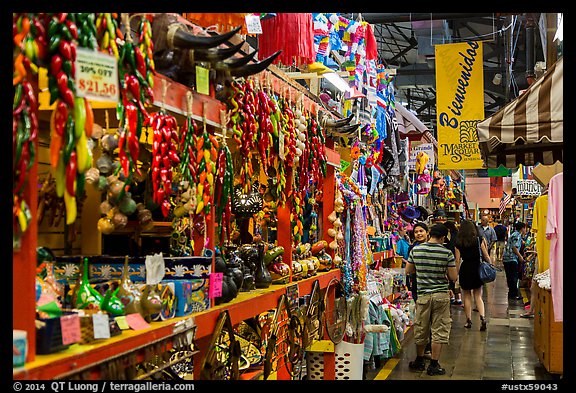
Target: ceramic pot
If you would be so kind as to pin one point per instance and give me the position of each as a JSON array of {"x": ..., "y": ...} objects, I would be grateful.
[
  {"x": 86, "y": 296},
  {"x": 262, "y": 276},
  {"x": 128, "y": 293}
]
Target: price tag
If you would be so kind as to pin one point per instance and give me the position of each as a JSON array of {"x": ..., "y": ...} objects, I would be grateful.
[
  {"x": 292, "y": 293},
  {"x": 96, "y": 75},
  {"x": 122, "y": 323},
  {"x": 202, "y": 80},
  {"x": 70, "y": 326},
  {"x": 253, "y": 25},
  {"x": 216, "y": 284},
  {"x": 136, "y": 322},
  {"x": 101, "y": 325}
]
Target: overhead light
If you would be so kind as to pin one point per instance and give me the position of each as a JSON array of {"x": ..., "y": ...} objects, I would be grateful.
[{"x": 337, "y": 81}]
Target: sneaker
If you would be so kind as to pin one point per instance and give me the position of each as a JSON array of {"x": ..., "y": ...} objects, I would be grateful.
[
  {"x": 527, "y": 315},
  {"x": 415, "y": 365},
  {"x": 435, "y": 370}
]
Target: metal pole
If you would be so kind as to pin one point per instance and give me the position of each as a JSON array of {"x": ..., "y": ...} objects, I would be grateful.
[{"x": 530, "y": 74}]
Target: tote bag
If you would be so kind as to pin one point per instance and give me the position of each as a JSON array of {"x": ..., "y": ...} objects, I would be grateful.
[{"x": 487, "y": 270}]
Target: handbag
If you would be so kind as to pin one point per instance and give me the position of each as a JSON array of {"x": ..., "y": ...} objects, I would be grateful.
[{"x": 486, "y": 270}]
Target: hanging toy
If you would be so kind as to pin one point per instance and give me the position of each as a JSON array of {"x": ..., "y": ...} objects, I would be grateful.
[
  {"x": 424, "y": 182},
  {"x": 421, "y": 160}
]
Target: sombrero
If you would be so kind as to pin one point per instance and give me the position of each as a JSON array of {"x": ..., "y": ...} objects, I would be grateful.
[{"x": 410, "y": 213}]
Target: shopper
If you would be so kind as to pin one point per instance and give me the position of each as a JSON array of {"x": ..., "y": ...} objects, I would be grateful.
[
  {"x": 402, "y": 244},
  {"x": 434, "y": 265},
  {"x": 512, "y": 257},
  {"x": 450, "y": 243},
  {"x": 420, "y": 236},
  {"x": 487, "y": 232},
  {"x": 501, "y": 238},
  {"x": 470, "y": 248}
]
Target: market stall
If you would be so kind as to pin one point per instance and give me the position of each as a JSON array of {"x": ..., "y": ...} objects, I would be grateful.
[
  {"x": 187, "y": 195},
  {"x": 529, "y": 129}
]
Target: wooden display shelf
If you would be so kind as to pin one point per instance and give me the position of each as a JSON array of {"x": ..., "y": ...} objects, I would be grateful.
[
  {"x": 174, "y": 101},
  {"x": 245, "y": 305},
  {"x": 548, "y": 334}
]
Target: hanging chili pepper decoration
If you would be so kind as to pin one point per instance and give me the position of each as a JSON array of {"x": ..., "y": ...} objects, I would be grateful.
[
  {"x": 29, "y": 36},
  {"x": 187, "y": 146},
  {"x": 164, "y": 157},
  {"x": 107, "y": 31},
  {"x": 135, "y": 93},
  {"x": 223, "y": 190},
  {"x": 68, "y": 119},
  {"x": 206, "y": 155},
  {"x": 244, "y": 124},
  {"x": 145, "y": 60}
]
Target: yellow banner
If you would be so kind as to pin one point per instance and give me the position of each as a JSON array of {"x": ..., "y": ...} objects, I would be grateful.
[{"x": 459, "y": 104}]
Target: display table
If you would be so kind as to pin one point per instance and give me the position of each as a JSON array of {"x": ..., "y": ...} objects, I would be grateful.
[{"x": 548, "y": 334}]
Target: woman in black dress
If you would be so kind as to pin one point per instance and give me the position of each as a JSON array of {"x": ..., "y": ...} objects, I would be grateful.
[{"x": 469, "y": 244}]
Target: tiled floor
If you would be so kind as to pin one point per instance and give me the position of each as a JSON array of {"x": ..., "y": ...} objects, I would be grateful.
[{"x": 503, "y": 352}]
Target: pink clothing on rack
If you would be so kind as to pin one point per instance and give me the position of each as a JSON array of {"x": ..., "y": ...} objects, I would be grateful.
[{"x": 554, "y": 232}]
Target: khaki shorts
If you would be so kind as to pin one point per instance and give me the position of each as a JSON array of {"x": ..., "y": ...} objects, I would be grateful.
[{"x": 432, "y": 313}]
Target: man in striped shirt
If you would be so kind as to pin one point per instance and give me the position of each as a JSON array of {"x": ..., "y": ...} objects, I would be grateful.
[{"x": 434, "y": 265}]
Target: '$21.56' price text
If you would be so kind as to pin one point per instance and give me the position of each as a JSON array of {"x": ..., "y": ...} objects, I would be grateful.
[{"x": 98, "y": 88}]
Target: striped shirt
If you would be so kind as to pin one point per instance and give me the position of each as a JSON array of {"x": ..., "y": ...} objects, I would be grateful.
[{"x": 431, "y": 261}]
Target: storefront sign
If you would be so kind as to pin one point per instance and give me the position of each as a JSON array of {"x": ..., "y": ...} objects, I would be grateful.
[
  {"x": 460, "y": 104},
  {"x": 96, "y": 75},
  {"x": 416, "y": 148},
  {"x": 528, "y": 187}
]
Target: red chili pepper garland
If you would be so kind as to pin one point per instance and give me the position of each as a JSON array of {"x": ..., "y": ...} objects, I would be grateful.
[
  {"x": 243, "y": 124},
  {"x": 135, "y": 92},
  {"x": 24, "y": 127},
  {"x": 224, "y": 193},
  {"x": 164, "y": 157},
  {"x": 62, "y": 35}
]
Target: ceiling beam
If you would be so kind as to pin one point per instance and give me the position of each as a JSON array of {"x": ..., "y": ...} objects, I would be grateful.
[{"x": 410, "y": 17}]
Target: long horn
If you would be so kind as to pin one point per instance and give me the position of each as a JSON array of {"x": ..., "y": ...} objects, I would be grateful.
[
  {"x": 216, "y": 54},
  {"x": 331, "y": 123},
  {"x": 179, "y": 37},
  {"x": 346, "y": 130},
  {"x": 251, "y": 69},
  {"x": 240, "y": 61}
]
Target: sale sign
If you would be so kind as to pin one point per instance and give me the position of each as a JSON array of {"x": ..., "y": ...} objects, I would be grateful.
[{"x": 96, "y": 76}]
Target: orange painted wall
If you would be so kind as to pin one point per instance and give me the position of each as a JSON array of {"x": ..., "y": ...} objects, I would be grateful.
[{"x": 477, "y": 190}]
